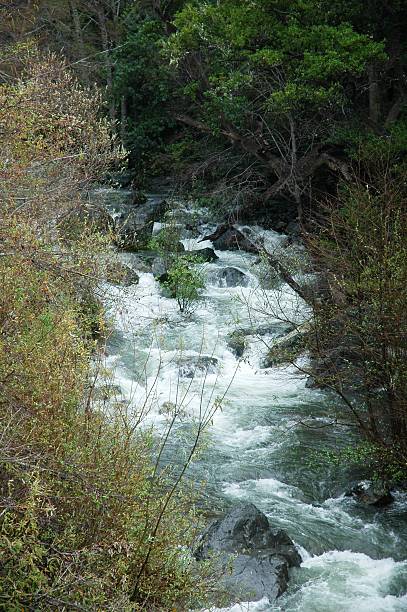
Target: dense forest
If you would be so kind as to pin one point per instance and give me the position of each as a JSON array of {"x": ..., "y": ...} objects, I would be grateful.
[{"x": 285, "y": 114}]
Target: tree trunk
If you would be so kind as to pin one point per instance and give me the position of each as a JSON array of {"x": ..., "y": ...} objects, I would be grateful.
[
  {"x": 78, "y": 34},
  {"x": 374, "y": 95},
  {"x": 108, "y": 61},
  {"x": 123, "y": 119}
]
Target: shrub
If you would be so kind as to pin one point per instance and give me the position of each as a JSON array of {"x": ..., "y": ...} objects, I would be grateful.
[
  {"x": 185, "y": 282},
  {"x": 87, "y": 518}
]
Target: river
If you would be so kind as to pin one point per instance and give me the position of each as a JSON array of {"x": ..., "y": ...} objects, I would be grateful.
[{"x": 261, "y": 445}]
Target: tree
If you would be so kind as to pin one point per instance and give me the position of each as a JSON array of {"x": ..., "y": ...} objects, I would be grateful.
[
  {"x": 359, "y": 331},
  {"x": 273, "y": 80}
]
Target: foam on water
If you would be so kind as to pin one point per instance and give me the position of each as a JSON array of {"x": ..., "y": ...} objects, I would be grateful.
[
  {"x": 256, "y": 430},
  {"x": 344, "y": 580}
]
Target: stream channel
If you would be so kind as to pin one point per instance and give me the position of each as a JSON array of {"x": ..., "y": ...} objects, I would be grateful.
[{"x": 260, "y": 444}]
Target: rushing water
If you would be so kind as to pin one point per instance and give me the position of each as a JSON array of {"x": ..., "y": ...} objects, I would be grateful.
[{"x": 260, "y": 444}]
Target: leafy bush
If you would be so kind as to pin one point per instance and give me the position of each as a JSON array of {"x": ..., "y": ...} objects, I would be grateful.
[
  {"x": 185, "y": 282},
  {"x": 87, "y": 519}
]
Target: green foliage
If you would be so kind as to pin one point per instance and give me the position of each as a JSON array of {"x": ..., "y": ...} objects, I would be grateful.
[
  {"x": 143, "y": 79},
  {"x": 82, "y": 506},
  {"x": 376, "y": 462},
  {"x": 185, "y": 282},
  {"x": 87, "y": 519},
  {"x": 361, "y": 324},
  {"x": 167, "y": 241},
  {"x": 313, "y": 57}
]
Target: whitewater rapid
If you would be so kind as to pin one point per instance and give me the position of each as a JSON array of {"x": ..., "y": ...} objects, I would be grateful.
[{"x": 259, "y": 446}]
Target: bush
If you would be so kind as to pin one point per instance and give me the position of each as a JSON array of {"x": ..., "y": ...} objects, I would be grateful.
[
  {"x": 87, "y": 519},
  {"x": 360, "y": 325},
  {"x": 185, "y": 282}
]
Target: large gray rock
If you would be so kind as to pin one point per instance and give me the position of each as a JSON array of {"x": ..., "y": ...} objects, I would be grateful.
[
  {"x": 141, "y": 264},
  {"x": 189, "y": 367},
  {"x": 230, "y": 238},
  {"x": 135, "y": 227},
  {"x": 287, "y": 348},
  {"x": 160, "y": 269},
  {"x": 261, "y": 556},
  {"x": 233, "y": 277},
  {"x": 237, "y": 339},
  {"x": 119, "y": 273},
  {"x": 92, "y": 215},
  {"x": 237, "y": 342},
  {"x": 206, "y": 255}
]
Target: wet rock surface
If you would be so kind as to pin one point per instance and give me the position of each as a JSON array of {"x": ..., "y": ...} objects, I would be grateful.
[
  {"x": 230, "y": 238},
  {"x": 233, "y": 277},
  {"x": 160, "y": 269},
  {"x": 287, "y": 348},
  {"x": 119, "y": 273},
  {"x": 261, "y": 556},
  {"x": 135, "y": 227},
  {"x": 206, "y": 255},
  {"x": 189, "y": 367},
  {"x": 371, "y": 493}
]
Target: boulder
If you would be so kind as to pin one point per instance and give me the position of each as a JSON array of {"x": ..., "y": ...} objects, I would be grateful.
[
  {"x": 160, "y": 270},
  {"x": 94, "y": 216},
  {"x": 287, "y": 348},
  {"x": 119, "y": 273},
  {"x": 371, "y": 493},
  {"x": 233, "y": 277},
  {"x": 135, "y": 228},
  {"x": 141, "y": 264},
  {"x": 237, "y": 339},
  {"x": 261, "y": 556},
  {"x": 206, "y": 255},
  {"x": 189, "y": 367},
  {"x": 237, "y": 342},
  {"x": 293, "y": 228},
  {"x": 230, "y": 238}
]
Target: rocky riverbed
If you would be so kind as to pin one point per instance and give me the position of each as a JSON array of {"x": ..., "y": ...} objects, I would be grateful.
[{"x": 263, "y": 445}]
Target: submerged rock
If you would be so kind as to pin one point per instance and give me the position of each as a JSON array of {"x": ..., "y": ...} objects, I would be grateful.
[
  {"x": 371, "y": 493},
  {"x": 233, "y": 277},
  {"x": 261, "y": 556},
  {"x": 197, "y": 366}
]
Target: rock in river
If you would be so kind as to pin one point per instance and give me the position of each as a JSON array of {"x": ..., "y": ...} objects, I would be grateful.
[
  {"x": 230, "y": 238},
  {"x": 134, "y": 228},
  {"x": 371, "y": 493},
  {"x": 119, "y": 273},
  {"x": 197, "y": 366},
  {"x": 205, "y": 255},
  {"x": 261, "y": 556},
  {"x": 233, "y": 277}
]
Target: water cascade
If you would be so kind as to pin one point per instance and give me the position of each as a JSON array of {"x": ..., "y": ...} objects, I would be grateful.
[{"x": 260, "y": 443}]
